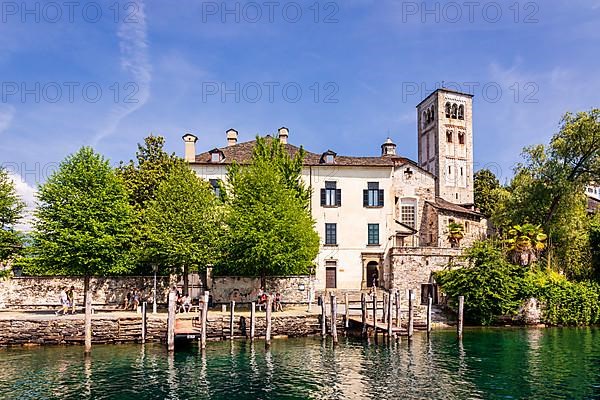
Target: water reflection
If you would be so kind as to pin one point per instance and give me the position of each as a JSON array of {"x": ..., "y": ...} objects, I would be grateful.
[{"x": 487, "y": 363}]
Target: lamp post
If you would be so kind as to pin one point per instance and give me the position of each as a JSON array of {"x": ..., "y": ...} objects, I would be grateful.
[{"x": 155, "y": 269}]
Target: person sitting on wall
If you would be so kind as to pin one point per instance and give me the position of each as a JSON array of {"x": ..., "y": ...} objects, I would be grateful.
[
  {"x": 71, "y": 298},
  {"x": 135, "y": 299},
  {"x": 64, "y": 302},
  {"x": 278, "y": 306},
  {"x": 262, "y": 298},
  {"x": 187, "y": 303}
]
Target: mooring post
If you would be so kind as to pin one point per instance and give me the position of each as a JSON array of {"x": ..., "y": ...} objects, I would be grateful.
[
  {"x": 224, "y": 308},
  {"x": 410, "y": 313},
  {"x": 88, "y": 316},
  {"x": 429, "y": 304},
  {"x": 363, "y": 309},
  {"x": 231, "y": 318},
  {"x": 323, "y": 317},
  {"x": 347, "y": 311},
  {"x": 204, "y": 321},
  {"x": 334, "y": 334},
  {"x": 397, "y": 300},
  {"x": 384, "y": 311},
  {"x": 390, "y": 319},
  {"x": 375, "y": 315},
  {"x": 144, "y": 322},
  {"x": 171, "y": 322},
  {"x": 461, "y": 306},
  {"x": 268, "y": 317},
  {"x": 252, "y": 319}
]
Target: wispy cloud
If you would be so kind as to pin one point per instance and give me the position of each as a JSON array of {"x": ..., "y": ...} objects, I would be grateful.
[{"x": 133, "y": 45}]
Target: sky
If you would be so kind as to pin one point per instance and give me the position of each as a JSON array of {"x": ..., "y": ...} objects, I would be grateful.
[{"x": 341, "y": 75}]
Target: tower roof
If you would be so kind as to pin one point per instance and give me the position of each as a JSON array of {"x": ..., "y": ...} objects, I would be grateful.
[{"x": 446, "y": 91}]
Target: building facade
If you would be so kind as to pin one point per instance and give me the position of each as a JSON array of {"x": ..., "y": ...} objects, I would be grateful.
[{"x": 383, "y": 221}]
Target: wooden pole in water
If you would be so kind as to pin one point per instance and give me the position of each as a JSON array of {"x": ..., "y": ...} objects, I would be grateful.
[
  {"x": 268, "y": 316},
  {"x": 171, "y": 323},
  {"x": 334, "y": 334},
  {"x": 410, "y": 313},
  {"x": 204, "y": 320},
  {"x": 397, "y": 300},
  {"x": 459, "y": 326},
  {"x": 375, "y": 315},
  {"x": 347, "y": 311},
  {"x": 363, "y": 308},
  {"x": 88, "y": 315},
  {"x": 429, "y": 304},
  {"x": 390, "y": 319},
  {"x": 384, "y": 311},
  {"x": 252, "y": 319},
  {"x": 144, "y": 322},
  {"x": 231, "y": 318},
  {"x": 323, "y": 317}
]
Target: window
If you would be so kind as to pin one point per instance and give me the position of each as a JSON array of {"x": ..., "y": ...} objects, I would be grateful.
[
  {"x": 449, "y": 136},
  {"x": 467, "y": 228},
  {"x": 331, "y": 234},
  {"x": 373, "y": 233},
  {"x": 215, "y": 185},
  {"x": 424, "y": 119},
  {"x": 449, "y": 169},
  {"x": 461, "y": 171},
  {"x": 330, "y": 195},
  {"x": 215, "y": 157},
  {"x": 408, "y": 213},
  {"x": 329, "y": 159},
  {"x": 461, "y": 138},
  {"x": 454, "y": 111},
  {"x": 447, "y": 110},
  {"x": 461, "y": 112},
  {"x": 373, "y": 196},
  {"x": 432, "y": 114}
]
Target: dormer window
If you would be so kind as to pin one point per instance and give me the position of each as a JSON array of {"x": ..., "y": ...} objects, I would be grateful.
[
  {"x": 216, "y": 156},
  {"x": 328, "y": 157}
]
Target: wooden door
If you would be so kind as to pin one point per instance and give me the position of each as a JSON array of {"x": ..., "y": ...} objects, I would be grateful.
[{"x": 330, "y": 277}]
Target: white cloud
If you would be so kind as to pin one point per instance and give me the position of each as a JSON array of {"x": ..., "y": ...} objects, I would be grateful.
[
  {"x": 135, "y": 61},
  {"x": 27, "y": 194}
]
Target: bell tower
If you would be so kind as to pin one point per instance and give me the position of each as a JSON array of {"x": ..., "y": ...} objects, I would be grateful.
[{"x": 445, "y": 141}]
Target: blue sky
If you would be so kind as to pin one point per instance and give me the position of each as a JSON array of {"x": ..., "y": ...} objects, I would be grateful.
[{"x": 361, "y": 67}]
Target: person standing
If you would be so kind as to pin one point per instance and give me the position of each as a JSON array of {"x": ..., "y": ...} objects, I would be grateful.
[
  {"x": 64, "y": 302},
  {"x": 71, "y": 299}
]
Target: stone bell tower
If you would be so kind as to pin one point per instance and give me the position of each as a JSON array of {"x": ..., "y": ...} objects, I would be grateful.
[{"x": 445, "y": 140}]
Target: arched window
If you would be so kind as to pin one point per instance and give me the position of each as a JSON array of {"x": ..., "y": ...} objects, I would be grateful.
[
  {"x": 447, "y": 110},
  {"x": 424, "y": 119},
  {"x": 432, "y": 113},
  {"x": 449, "y": 136},
  {"x": 461, "y": 112},
  {"x": 454, "y": 111},
  {"x": 428, "y": 116},
  {"x": 461, "y": 137}
]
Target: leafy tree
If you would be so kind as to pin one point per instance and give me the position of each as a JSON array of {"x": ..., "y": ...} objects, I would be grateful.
[
  {"x": 548, "y": 190},
  {"x": 142, "y": 179},
  {"x": 269, "y": 227},
  {"x": 456, "y": 232},
  {"x": 486, "y": 191},
  {"x": 83, "y": 222},
  {"x": 11, "y": 211},
  {"x": 491, "y": 286},
  {"x": 526, "y": 242},
  {"x": 184, "y": 222}
]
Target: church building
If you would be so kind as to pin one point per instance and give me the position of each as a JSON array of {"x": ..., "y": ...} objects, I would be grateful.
[{"x": 386, "y": 221}]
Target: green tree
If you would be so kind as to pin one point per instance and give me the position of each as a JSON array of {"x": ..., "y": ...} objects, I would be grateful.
[
  {"x": 184, "y": 222},
  {"x": 83, "y": 222},
  {"x": 142, "y": 179},
  {"x": 525, "y": 242},
  {"x": 486, "y": 191},
  {"x": 456, "y": 232},
  {"x": 11, "y": 212},
  {"x": 269, "y": 227}
]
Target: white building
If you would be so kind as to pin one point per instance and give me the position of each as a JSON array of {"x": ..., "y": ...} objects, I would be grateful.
[{"x": 382, "y": 219}]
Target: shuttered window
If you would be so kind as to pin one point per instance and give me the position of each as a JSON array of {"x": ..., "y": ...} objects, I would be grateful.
[
  {"x": 330, "y": 195},
  {"x": 373, "y": 196}
]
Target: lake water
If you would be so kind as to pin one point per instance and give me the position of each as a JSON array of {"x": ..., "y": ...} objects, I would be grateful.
[{"x": 556, "y": 363}]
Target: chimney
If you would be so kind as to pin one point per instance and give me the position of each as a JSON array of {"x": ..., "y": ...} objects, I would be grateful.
[
  {"x": 232, "y": 136},
  {"x": 283, "y": 135},
  {"x": 190, "y": 147}
]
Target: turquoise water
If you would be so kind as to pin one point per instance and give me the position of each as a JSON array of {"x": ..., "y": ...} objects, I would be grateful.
[{"x": 557, "y": 363}]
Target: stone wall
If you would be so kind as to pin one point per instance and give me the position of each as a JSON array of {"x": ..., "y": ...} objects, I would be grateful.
[
  {"x": 245, "y": 289},
  {"x": 412, "y": 267},
  {"x": 25, "y": 292}
]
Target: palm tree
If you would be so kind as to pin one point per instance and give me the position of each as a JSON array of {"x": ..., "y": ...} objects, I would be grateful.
[
  {"x": 526, "y": 242},
  {"x": 455, "y": 233}
]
